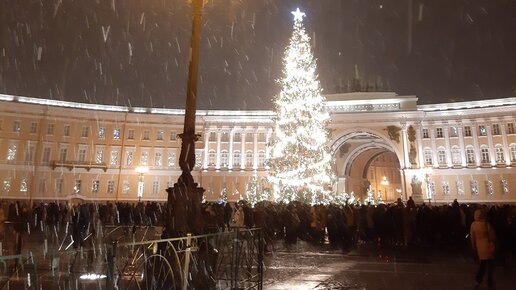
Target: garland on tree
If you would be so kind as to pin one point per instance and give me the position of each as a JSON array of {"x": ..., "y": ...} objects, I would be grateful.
[{"x": 300, "y": 163}]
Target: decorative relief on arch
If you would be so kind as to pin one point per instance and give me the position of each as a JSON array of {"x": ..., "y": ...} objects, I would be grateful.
[
  {"x": 411, "y": 135},
  {"x": 394, "y": 133}
]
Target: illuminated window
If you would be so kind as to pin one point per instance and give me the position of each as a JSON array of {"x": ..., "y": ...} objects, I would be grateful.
[
  {"x": 101, "y": 134},
  {"x": 158, "y": 159},
  {"x": 467, "y": 131},
  {"x": 510, "y": 128},
  {"x": 213, "y": 137},
  {"x": 513, "y": 153},
  {"x": 482, "y": 131},
  {"x": 33, "y": 128},
  {"x": 130, "y": 134},
  {"x": 129, "y": 158},
  {"x": 173, "y": 136},
  {"x": 6, "y": 186},
  {"x": 99, "y": 155},
  {"x": 95, "y": 186},
  {"x": 144, "y": 158},
  {"x": 113, "y": 160},
  {"x": 116, "y": 133},
  {"x": 261, "y": 137},
  {"x": 126, "y": 187},
  {"x": 16, "y": 126},
  {"x": 198, "y": 158},
  {"x": 23, "y": 185},
  {"x": 77, "y": 186},
  {"x": 453, "y": 131},
  {"x": 11, "y": 152},
  {"x": 249, "y": 137}
]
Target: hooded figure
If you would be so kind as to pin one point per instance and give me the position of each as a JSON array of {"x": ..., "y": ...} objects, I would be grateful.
[{"x": 482, "y": 238}]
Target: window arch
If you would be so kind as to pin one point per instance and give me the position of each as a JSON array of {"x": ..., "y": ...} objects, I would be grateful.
[
  {"x": 249, "y": 158},
  {"x": 456, "y": 158},
  {"x": 441, "y": 157},
  {"x": 513, "y": 152},
  {"x": 470, "y": 155},
  {"x": 261, "y": 158},
  {"x": 224, "y": 158},
  {"x": 484, "y": 154},
  {"x": 236, "y": 158},
  {"x": 428, "y": 157},
  {"x": 499, "y": 154},
  {"x": 211, "y": 157}
]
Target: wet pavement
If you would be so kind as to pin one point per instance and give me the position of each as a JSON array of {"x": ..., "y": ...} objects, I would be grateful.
[{"x": 367, "y": 267}]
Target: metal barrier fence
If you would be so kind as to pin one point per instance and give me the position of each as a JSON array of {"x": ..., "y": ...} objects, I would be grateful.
[{"x": 122, "y": 258}]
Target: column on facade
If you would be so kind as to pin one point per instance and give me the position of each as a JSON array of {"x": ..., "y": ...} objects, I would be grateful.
[
  {"x": 219, "y": 136},
  {"x": 255, "y": 150},
  {"x": 492, "y": 157},
  {"x": 434, "y": 146},
  {"x": 446, "y": 129},
  {"x": 206, "y": 147},
  {"x": 474, "y": 133},
  {"x": 505, "y": 145},
  {"x": 404, "y": 138},
  {"x": 461, "y": 144},
  {"x": 419, "y": 140},
  {"x": 243, "y": 153},
  {"x": 230, "y": 157}
]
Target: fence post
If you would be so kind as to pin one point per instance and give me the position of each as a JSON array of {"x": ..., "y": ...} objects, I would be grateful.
[
  {"x": 111, "y": 255},
  {"x": 188, "y": 252}
]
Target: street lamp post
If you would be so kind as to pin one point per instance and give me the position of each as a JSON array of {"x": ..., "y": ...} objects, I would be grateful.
[
  {"x": 141, "y": 170},
  {"x": 185, "y": 198}
]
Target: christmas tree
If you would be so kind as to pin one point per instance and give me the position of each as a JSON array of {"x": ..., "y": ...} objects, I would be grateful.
[
  {"x": 300, "y": 163},
  {"x": 252, "y": 192}
]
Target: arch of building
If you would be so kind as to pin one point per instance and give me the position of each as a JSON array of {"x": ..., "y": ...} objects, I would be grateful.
[{"x": 354, "y": 152}]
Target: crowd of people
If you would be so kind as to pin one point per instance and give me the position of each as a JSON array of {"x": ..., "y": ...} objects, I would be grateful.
[{"x": 344, "y": 226}]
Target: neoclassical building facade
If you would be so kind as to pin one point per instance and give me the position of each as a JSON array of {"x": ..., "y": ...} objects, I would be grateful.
[{"x": 56, "y": 150}]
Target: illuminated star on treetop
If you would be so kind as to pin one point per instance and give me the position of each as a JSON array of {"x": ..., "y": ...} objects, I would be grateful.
[{"x": 298, "y": 15}]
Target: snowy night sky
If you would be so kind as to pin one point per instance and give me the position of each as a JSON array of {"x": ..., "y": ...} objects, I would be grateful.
[{"x": 135, "y": 52}]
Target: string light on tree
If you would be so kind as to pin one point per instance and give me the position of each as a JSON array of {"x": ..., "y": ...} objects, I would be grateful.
[{"x": 300, "y": 163}]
